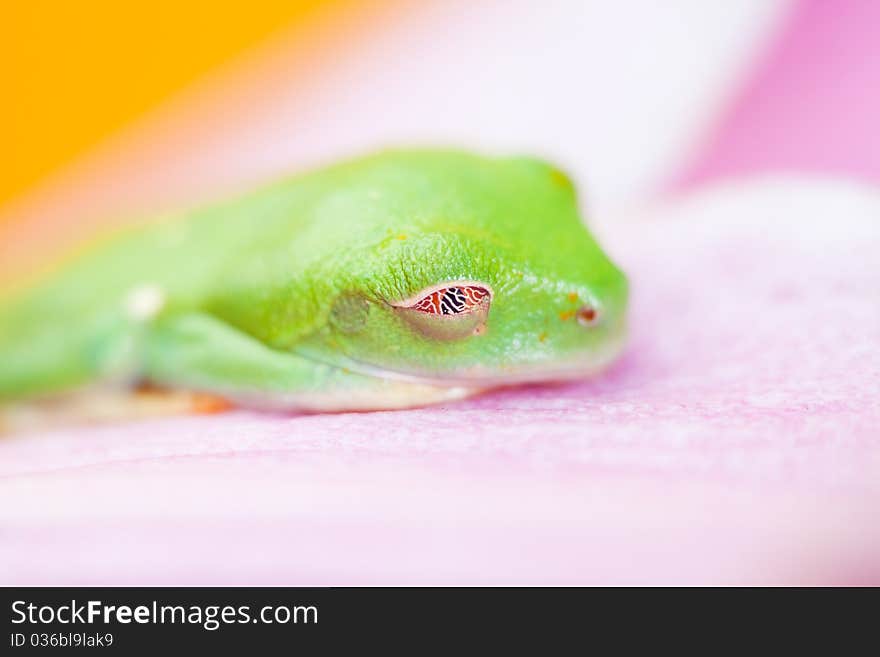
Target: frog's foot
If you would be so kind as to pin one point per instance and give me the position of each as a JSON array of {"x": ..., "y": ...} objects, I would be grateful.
[{"x": 102, "y": 406}]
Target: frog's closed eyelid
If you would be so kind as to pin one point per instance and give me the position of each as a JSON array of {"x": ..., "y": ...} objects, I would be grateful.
[
  {"x": 449, "y": 311},
  {"x": 452, "y": 298}
]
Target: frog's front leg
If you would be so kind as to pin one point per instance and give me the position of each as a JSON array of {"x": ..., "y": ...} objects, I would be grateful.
[{"x": 201, "y": 353}]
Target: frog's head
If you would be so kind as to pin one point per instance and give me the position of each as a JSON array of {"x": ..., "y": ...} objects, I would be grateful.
[{"x": 465, "y": 271}]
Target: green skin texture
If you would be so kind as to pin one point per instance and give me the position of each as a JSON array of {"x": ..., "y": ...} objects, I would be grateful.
[{"x": 287, "y": 297}]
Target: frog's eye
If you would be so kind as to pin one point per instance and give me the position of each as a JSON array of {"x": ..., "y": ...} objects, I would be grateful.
[
  {"x": 450, "y": 311},
  {"x": 452, "y": 300}
]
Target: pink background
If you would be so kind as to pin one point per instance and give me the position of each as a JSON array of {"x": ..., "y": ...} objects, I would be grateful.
[{"x": 811, "y": 105}]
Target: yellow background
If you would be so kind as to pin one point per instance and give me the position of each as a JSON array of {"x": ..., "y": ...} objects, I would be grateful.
[{"x": 77, "y": 71}]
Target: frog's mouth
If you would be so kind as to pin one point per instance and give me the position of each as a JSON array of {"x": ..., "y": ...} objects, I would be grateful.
[
  {"x": 363, "y": 386},
  {"x": 480, "y": 377}
]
